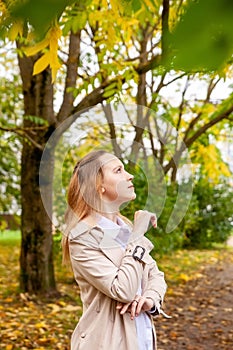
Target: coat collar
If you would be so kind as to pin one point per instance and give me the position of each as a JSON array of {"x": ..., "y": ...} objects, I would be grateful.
[{"x": 106, "y": 238}]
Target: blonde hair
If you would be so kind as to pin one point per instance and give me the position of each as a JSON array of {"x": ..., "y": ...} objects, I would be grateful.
[{"x": 83, "y": 195}]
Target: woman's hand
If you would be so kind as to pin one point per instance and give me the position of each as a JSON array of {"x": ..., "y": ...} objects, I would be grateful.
[
  {"x": 142, "y": 219},
  {"x": 138, "y": 305}
]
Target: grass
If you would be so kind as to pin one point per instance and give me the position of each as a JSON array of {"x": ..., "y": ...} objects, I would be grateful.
[{"x": 9, "y": 238}]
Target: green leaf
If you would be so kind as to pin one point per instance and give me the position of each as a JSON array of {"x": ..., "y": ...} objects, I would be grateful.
[
  {"x": 136, "y": 5},
  {"x": 111, "y": 86},
  {"x": 109, "y": 93},
  {"x": 41, "y": 13},
  {"x": 79, "y": 21},
  {"x": 36, "y": 120},
  {"x": 203, "y": 39}
]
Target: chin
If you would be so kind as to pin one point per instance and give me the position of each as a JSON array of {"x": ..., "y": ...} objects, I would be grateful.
[
  {"x": 133, "y": 197},
  {"x": 129, "y": 199}
]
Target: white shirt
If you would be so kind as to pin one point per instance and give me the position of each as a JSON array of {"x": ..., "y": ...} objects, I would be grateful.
[{"x": 142, "y": 321}]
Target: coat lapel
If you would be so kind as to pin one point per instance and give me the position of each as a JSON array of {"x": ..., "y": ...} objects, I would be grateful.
[
  {"x": 107, "y": 240},
  {"x": 111, "y": 248}
]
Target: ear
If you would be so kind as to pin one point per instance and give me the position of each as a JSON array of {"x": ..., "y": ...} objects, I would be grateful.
[{"x": 102, "y": 189}]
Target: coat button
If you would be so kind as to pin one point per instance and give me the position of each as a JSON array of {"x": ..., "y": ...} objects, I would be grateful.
[{"x": 83, "y": 335}]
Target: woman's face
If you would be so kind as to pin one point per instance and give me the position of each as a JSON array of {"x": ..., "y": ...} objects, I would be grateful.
[{"x": 117, "y": 183}]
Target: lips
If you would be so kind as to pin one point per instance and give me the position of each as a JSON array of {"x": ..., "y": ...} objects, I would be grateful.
[{"x": 132, "y": 186}]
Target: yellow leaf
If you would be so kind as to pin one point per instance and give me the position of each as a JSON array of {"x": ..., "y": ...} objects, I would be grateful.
[
  {"x": 2, "y": 6},
  {"x": 50, "y": 57},
  {"x": 55, "y": 308},
  {"x": 224, "y": 170},
  {"x": 41, "y": 63},
  {"x": 54, "y": 64},
  {"x": 184, "y": 277},
  {"x": 8, "y": 300},
  {"x": 40, "y": 325},
  {"x": 72, "y": 308},
  {"x": 54, "y": 67},
  {"x": 15, "y": 30},
  {"x": 151, "y": 4},
  {"x": 55, "y": 33},
  {"x": 30, "y": 51},
  {"x": 173, "y": 335},
  {"x": 192, "y": 308},
  {"x": 214, "y": 167},
  {"x": 43, "y": 341},
  {"x": 116, "y": 6},
  {"x": 9, "y": 347}
]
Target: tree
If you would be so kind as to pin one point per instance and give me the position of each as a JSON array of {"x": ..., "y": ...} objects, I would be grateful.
[
  {"x": 106, "y": 48},
  {"x": 37, "y": 274},
  {"x": 10, "y": 90}
]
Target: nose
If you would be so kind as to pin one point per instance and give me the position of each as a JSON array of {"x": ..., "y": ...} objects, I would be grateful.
[{"x": 129, "y": 176}]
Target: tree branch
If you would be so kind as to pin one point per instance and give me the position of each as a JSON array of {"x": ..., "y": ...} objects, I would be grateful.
[
  {"x": 181, "y": 106},
  {"x": 144, "y": 67},
  {"x": 109, "y": 116},
  {"x": 71, "y": 76},
  {"x": 174, "y": 161},
  {"x": 90, "y": 100},
  {"x": 21, "y": 133},
  {"x": 149, "y": 65},
  {"x": 207, "y": 99},
  {"x": 165, "y": 27},
  {"x": 211, "y": 87},
  {"x": 205, "y": 127}
]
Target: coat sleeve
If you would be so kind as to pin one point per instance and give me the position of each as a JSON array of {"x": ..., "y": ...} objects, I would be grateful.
[
  {"x": 155, "y": 285},
  {"x": 117, "y": 282}
]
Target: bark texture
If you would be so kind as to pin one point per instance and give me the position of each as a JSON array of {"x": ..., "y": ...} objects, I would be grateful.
[{"x": 36, "y": 261}]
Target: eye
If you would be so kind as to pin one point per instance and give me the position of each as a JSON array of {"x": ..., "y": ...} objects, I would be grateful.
[{"x": 118, "y": 170}]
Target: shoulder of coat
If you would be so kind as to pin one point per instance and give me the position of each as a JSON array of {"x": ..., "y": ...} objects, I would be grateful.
[{"x": 84, "y": 229}]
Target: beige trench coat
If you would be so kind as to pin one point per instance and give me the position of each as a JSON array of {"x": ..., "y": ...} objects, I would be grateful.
[{"x": 106, "y": 274}]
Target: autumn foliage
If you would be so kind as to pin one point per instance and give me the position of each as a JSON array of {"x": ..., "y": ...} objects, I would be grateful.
[{"x": 199, "y": 298}]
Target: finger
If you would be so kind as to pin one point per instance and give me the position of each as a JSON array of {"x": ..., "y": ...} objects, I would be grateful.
[
  {"x": 124, "y": 308},
  {"x": 137, "y": 213},
  {"x": 119, "y": 306},
  {"x": 133, "y": 309},
  {"x": 139, "y": 306},
  {"x": 153, "y": 220}
]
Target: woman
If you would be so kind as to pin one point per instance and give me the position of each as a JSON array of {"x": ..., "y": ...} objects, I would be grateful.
[{"x": 120, "y": 284}]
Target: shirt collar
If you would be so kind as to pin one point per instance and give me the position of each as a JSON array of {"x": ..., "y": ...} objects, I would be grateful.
[
  {"x": 119, "y": 231},
  {"x": 106, "y": 223}
]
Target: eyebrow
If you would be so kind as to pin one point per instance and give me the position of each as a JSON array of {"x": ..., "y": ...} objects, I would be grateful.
[{"x": 118, "y": 166}]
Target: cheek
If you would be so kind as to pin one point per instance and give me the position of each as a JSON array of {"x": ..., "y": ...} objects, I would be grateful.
[
  {"x": 113, "y": 189},
  {"x": 110, "y": 193}
]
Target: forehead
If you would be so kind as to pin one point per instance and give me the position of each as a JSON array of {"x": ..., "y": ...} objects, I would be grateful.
[{"x": 109, "y": 161}]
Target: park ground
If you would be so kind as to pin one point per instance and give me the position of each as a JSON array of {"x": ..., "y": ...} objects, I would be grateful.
[{"x": 199, "y": 299}]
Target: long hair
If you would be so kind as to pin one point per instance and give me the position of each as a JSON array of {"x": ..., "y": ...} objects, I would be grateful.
[{"x": 83, "y": 195}]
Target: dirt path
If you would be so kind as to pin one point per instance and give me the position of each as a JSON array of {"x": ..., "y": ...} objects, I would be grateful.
[
  {"x": 230, "y": 242},
  {"x": 202, "y": 311}
]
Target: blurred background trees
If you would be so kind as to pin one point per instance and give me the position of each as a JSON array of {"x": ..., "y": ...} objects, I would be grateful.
[{"x": 74, "y": 67}]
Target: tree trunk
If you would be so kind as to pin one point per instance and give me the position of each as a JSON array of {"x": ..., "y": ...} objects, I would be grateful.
[
  {"x": 36, "y": 260},
  {"x": 36, "y": 257},
  {"x": 141, "y": 100}
]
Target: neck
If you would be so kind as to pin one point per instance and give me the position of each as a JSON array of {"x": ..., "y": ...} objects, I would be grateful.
[
  {"x": 110, "y": 216},
  {"x": 110, "y": 211}
]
